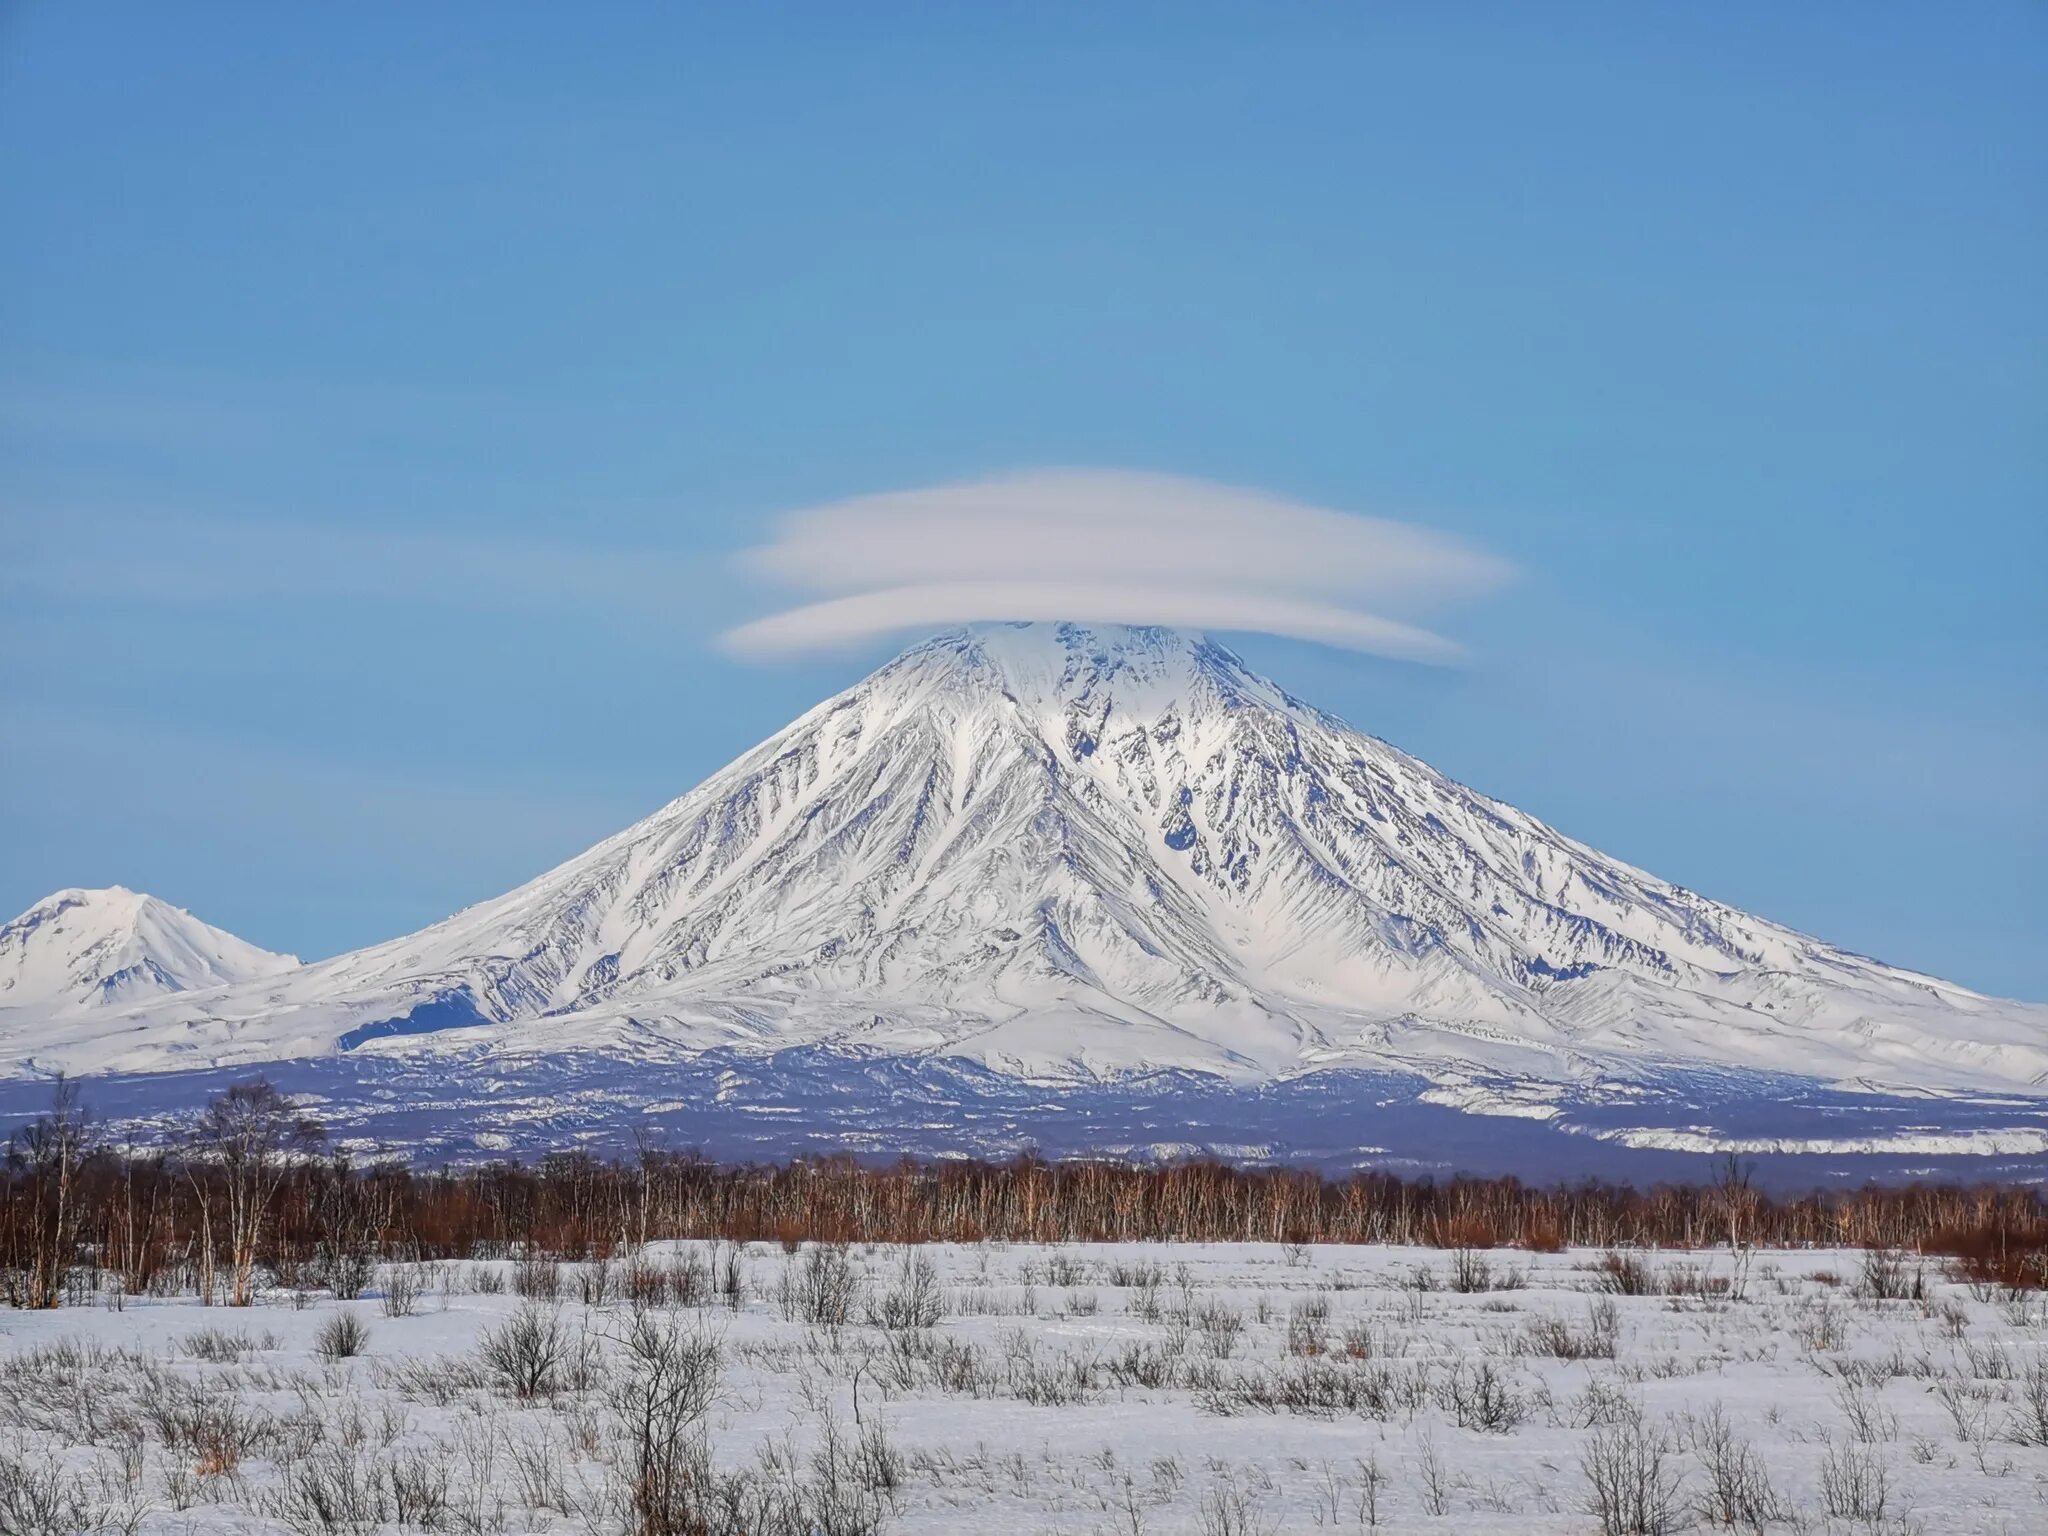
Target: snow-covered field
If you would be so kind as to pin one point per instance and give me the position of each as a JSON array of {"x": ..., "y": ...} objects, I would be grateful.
[{"x": 1012, "y": 1388}]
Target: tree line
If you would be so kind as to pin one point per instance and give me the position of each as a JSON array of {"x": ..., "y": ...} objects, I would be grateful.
[{"x": 251, "y": 1192}]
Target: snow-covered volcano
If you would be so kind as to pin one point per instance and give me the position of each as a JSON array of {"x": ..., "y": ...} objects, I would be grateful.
[
  {"x": 1070, "y": 853},
  {"x": 101, "y": 949}
]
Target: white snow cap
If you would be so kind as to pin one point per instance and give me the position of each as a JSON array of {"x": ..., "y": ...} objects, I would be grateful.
[{"x": 82, "y": 948}]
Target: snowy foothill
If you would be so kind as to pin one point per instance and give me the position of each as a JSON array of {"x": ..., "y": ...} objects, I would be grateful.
[{"x": 1081, "y": 1388}]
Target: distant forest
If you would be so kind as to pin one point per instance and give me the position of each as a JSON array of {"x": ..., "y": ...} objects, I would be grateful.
[{"x": 249, "y": 1195}]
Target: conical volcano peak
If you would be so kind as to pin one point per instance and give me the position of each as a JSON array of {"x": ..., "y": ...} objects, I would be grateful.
[
  {"x": 92, "y": 948},
  {"x": 1136, "y": 669},
  {"x": 1079, "y": 851}
]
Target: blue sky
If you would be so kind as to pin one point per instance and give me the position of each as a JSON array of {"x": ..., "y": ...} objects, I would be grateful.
[{"x": 384, "y": 392}]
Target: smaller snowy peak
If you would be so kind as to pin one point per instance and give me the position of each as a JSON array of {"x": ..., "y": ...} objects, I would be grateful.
[{"x": 95, "y": 948}]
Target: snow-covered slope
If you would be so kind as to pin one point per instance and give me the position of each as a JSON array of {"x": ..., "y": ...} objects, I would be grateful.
[
  {"x": 98, "y": 950},
  {"x": 1066, "y": 852}
]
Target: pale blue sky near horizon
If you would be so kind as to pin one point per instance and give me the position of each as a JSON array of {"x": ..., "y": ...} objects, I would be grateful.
[{"x": 385, "y": 390}]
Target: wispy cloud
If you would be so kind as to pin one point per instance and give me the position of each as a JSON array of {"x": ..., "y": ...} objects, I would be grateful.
[{"x": 1109, "y": 546}]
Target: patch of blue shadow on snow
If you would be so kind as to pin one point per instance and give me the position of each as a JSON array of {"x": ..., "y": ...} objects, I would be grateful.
[{"x": 450, "y": 1010}]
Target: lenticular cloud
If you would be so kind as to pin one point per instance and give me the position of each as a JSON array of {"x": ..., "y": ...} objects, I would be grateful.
[{"x": 1104, "y": 546}]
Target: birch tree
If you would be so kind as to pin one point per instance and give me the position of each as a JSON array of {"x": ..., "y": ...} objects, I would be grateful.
[{"x": 247, "y": 1139}]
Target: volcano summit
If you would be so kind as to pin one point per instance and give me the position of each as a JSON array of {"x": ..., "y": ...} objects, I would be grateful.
[{"x": 1090, "y": 888}]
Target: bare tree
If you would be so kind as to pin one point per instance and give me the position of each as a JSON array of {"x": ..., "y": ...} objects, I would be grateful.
[
  {"x": 1632, "y": 1488},
  {"x": 1734, "y": 1190},
  {"x": 344, "y": 1251},
  {"x": 247, "y": 1139},
  {"x": 663, "y": 1397},
  {"x": 45, "y": 1157}
]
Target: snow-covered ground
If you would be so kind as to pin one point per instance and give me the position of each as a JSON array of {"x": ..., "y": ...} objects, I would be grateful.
[{"x": 1084, "y": 1388}]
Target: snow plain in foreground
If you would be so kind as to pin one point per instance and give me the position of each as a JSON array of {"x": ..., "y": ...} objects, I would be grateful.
[{"x": 1084, "y": 1388}]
